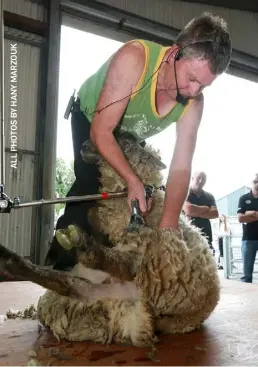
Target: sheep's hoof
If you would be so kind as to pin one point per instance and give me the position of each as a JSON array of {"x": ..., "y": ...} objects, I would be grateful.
[
  {"x": 152, "y": 355},
  {"x": 69, "y": 237}
]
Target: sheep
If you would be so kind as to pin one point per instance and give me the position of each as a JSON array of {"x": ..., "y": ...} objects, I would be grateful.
[{"x": 147, "y": 281}]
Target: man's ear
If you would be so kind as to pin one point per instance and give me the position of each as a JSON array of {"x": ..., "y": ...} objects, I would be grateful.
[{"x": 174, "y": 52}]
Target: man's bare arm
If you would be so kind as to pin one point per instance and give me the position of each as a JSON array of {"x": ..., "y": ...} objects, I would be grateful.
[
  {"x": 180, "y": 168},
  {"x": 124, "y": 72},
  {"x": 193, "y": 210},
  {"x": 248, "y": 217},
  {"x": 212, "y": 213},
  {"x": 200, "y": 211}
]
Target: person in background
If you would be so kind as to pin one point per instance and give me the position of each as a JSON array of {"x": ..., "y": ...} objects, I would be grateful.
[
  {"x": 200, "y": 206},
  {"x": 223, "y": 231},
  {"x": 248, "y": 215}
]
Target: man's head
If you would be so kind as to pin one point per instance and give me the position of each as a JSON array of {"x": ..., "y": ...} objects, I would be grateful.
[
  {"x": 255, "y": 183},
  {"x": 204, "y": 47},
  {"x": 198, "y": 181}
]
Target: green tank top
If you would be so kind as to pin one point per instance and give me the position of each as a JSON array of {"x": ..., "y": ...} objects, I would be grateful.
[{"x": 141, "y": 117}]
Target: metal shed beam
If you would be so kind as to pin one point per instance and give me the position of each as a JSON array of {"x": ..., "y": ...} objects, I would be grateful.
[
  {"x": 247, "y": 5},
  {"x": 26, "y": 24},
  {"x": 49, "y": 130},
  {"x": 142, "y": 27}
]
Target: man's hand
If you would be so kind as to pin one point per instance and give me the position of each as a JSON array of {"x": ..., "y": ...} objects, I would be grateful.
[
  {"x": 205, "y": 208},
  {"x": 136, "y": 191},
  {"x": 149, "y": 205},
  {"x": 248, "y": 217},
  {"x": 167, "y": 224},
  {"x": 212, "y": 213},
  {"x": 193, "y": 210},
  {"x": 252, "y": 213}
]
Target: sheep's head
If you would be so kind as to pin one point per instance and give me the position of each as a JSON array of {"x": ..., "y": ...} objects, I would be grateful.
[{"x": 144, "y": 161}]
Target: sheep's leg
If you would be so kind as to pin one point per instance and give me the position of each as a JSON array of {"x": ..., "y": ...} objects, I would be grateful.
[
  {"x": 61, "y": 282},
  {"x": 177, "y": 324},
  {"x": 21, "y": 269},
  {"x": 119, "y": 264}
]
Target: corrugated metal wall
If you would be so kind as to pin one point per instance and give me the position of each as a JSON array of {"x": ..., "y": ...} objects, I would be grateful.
[
  {"x": 228, "y": 204},
  {"x": 33, "y": 10},
  {"x": 17, "y": 229},
  {"x": 243, "y": 26}
]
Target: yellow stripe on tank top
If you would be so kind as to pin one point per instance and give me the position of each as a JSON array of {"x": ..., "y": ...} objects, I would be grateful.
[
  {"x": 140, "y": 82},
  {"x": 154, "y": 85}
]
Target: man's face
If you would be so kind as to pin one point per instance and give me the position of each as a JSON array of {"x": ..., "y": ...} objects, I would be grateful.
[
  {"x": 198, "y": 181},
  {"x": 255, "y": 183},
  {"x": 193, "y": 76}
]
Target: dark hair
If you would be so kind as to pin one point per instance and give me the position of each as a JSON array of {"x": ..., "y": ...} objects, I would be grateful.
[{"x": 213, "y": 43}]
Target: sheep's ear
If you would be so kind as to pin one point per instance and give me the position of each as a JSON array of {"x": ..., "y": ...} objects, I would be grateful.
[
  {"x": 128, "y": 143},
  {"x": 148, "y": 157},
  {"x": 89, "y": 152}
]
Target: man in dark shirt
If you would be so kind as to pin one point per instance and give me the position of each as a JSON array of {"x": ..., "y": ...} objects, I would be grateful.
[
  {"x": 248, "y": 215},
  {"x": 200, "y": 206}
]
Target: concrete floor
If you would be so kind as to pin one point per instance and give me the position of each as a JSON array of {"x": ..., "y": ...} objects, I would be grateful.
[{"x": 228, "y": 337}]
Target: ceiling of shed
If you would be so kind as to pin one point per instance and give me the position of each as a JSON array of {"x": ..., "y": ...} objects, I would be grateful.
[{"x": 247, "y": 5}]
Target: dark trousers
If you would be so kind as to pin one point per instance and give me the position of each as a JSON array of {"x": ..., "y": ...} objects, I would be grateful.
[
  {"x": 249, "y": 250},
  {"x": 86, "y": 183},
  {"x": 221, "y": 246},
  {"x": 87, "y": 176}
]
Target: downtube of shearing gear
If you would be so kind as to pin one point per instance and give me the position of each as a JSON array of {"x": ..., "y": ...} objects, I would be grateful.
[{"x": 2, "y": 137}]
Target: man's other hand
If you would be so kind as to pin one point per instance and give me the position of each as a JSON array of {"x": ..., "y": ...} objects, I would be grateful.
[
  {"x": 136, "y": 191},
  {"x": 251, "y": 213},
  {"x": 169, "y": 225},
  {"x": 149, "y": 205}
]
